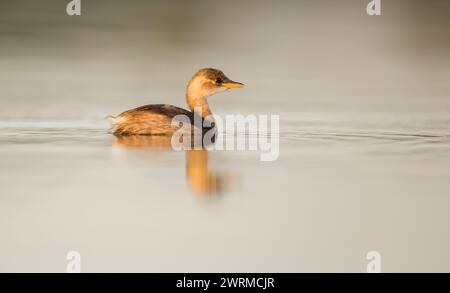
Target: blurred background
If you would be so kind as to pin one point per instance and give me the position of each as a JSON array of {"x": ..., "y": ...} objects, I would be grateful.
[{"x": 364, "y": 147}]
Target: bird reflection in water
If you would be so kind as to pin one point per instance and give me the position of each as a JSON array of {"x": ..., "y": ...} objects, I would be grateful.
[{"x": 202, "y": 179}]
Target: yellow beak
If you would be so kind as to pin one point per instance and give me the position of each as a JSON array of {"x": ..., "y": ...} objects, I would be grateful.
[{"x": 233, "y": 84}]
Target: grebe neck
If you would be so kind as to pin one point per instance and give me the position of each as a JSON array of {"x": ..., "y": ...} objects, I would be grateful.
[
  {"x": 196, "y": 100},
  {"x": 199, "y": 106}
]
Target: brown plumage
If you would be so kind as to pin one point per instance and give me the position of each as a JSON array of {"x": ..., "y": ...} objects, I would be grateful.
[{"x": 157, "y": 119}]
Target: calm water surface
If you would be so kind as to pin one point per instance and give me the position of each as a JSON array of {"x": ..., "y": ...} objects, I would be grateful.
[{"x": 364, "y": 138}]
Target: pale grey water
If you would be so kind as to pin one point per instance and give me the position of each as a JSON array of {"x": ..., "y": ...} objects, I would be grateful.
[{"x": 364, "y": 137}]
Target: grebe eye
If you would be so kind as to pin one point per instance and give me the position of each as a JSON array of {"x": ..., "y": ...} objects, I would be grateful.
[{"x": 219, "y": 80}]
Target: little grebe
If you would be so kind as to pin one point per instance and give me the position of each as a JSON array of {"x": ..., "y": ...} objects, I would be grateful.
[{"x": 157, "y": 119}]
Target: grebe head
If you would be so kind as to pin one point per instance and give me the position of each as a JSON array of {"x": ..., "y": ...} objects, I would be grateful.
[{"x": 209, "y": 81}]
